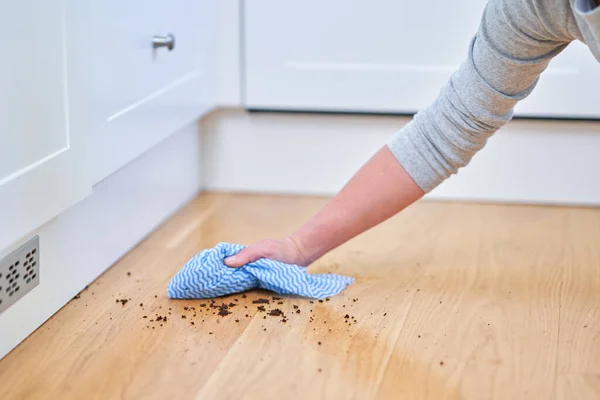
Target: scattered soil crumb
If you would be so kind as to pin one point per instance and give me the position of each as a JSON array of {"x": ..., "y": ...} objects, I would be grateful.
[
  {"x": 237, "y": 320},
  {"x": 320, "y": 370},
  {"x": 192, "y": 322},
  {"x": 210, "y": 333},
  {"x": 384, "y": 314},
  {"x": 145, "y": 316},
  {"x": 224, "y": 310},
  {"x": 346, "y": 316},
  {"x": 311, "y": 302},
  {"x": 202, "y": 304},
  {"x": 297, "y": 311},
  {"x": 122, "y": 301},
  {"x": 295, "y": 307},
  {"x": 320, "y": 301},
  {"x": 244, "y": 296},
  {"x": 319, "y": 343},
  {"x": 129, "y": 274},
  {"x": 276, "y": 312},
  {"x": 141, "y": 304},
  {"x": 183, "y": 316},
  {"x": 261, "y": 308},
  {"x": 280, "y": 302},
  {"x": 441, "y": 363},
  {"x": 275, "y": 298},
  {"x": 261, "y": 301}
]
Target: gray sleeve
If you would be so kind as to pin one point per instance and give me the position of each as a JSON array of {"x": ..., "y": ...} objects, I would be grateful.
[{"x": 515, "y": 42}]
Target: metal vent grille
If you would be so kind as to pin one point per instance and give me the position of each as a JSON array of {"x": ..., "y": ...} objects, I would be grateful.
[{"x": 19, "y": 273}]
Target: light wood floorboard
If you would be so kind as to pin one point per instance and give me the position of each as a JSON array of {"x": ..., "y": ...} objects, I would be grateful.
[{"x": 452, "y": 301}]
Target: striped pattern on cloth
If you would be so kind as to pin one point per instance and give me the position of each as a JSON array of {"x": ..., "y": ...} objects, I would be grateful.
[{"x": 206, "y": 276}]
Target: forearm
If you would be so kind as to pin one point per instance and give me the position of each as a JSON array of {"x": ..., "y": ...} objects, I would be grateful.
[{"x": 379, "y": 190}]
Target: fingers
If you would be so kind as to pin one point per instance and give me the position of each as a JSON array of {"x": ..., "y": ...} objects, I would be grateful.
[{"x": 247, "y": 255}]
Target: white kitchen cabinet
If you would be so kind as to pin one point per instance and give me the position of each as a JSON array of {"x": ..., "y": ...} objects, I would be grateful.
[
  {"x": 385, "y": 56},
  {"x": 40, "y": 155},
  {"x": 128, "y": 95}
]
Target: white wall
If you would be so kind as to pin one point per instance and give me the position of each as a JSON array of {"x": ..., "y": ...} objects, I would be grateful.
[
  {"x": 83, "y": 242},
  {"x": 544, "y": 162}
]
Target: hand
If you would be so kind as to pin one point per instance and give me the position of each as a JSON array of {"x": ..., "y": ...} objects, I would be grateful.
[{"x": 288, "y": 251}]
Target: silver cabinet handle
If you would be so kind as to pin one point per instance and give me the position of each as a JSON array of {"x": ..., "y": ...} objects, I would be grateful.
[{"x": 164, "y": 41}]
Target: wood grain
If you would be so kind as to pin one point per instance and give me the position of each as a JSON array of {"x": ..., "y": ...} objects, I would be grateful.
[{"x": 452, "y": 301}]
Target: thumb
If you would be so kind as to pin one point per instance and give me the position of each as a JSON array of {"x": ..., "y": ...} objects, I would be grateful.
[{"x": 245, "y": 256}]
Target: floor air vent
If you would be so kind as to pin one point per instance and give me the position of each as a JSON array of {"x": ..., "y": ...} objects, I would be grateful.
[{"x": 19, "y": 273}]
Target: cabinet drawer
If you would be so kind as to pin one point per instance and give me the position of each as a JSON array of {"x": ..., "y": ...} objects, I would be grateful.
[
  {"x": 386, "y": 56},
  {"x": 39, "y": 154},
  {"x": 138, "y": 94}
]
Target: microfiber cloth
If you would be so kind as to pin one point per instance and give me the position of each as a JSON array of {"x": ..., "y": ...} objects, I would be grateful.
[{"x": 205, "y": 276}]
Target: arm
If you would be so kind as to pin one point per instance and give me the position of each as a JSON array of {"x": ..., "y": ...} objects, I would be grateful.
[
  {"x": 514, "y": 44},
  {"x": 366, "y": 200}
]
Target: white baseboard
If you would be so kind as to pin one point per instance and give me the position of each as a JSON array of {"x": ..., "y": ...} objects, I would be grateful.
[
  {"x": 80, "y": 244},
  {"x": 528, "y": 161}
]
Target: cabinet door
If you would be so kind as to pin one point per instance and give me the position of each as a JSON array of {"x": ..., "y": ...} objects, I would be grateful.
[
  {"x": 386, "y": 56},
  {"x": 131, "y": 95},
  {"x": 40, "y": 165}
]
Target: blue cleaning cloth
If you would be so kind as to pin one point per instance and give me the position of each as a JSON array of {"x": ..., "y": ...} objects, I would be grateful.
[{"x": 206, "y": 276}]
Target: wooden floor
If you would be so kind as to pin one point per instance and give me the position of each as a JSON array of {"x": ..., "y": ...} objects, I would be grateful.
[{"x": 451, "y": 301}]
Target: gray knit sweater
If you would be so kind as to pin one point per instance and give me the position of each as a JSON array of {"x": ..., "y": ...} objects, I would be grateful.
[{"x": 515, "y": 42}]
